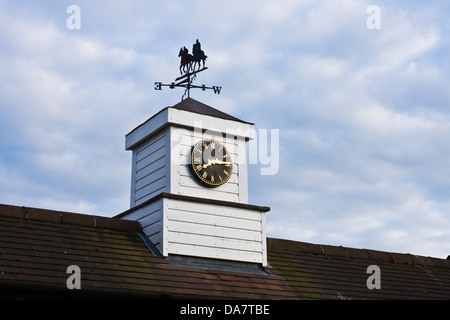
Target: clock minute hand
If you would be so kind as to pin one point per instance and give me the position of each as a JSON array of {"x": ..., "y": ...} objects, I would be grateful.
[
  {"x": 208, "y": 164},
  {"x": 217, "y": 161}
]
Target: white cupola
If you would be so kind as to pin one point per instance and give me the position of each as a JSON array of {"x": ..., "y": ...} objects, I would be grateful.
[{"x": 189, "y": 187}]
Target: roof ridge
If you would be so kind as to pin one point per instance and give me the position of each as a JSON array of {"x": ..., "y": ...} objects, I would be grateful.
[
  {"x": 55, "y": 216},
  {"x": 192, "y": 105},
  {"x": 359, "y": 254}
]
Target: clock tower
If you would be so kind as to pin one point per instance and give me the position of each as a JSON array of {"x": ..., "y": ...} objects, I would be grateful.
[{"x": 189, "y": 185}]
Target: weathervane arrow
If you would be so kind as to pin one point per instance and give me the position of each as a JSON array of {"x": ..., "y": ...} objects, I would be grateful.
[{"x": 190, "y": 66}]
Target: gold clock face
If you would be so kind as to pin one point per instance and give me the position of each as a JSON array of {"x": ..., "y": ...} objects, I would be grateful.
[{"x": 211, "y": 163}]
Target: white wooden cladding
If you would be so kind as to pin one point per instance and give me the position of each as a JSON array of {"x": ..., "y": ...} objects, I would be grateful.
[
  {"x": 161, "y": 164},
  {"x": 161, "y": 157},
  {"x": 235, "y": 190},
  {"x": 150, "y": 169},
  {"x": 151, "y": 219},
  {"x": 215, "y": 231},
  {"x": 204, "y": 230}
]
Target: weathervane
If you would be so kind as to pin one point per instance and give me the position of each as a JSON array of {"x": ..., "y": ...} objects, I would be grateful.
[{"x": 190, "y": 65}]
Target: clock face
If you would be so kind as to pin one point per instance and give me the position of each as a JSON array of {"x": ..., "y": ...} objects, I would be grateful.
[{"x": 211, "y": 163}]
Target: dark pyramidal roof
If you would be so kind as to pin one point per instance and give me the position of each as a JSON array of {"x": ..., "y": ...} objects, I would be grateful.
[
  {"x": 198, "y": 107},
  {"x": 195, "y": 106}
]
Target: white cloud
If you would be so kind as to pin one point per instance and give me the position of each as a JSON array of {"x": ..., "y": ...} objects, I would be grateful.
[
  {"x": 320, "y": 68},
  {"x": 378, "y": 120}
]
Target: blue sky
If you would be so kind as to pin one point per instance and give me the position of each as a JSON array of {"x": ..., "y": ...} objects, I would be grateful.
[{"x": 363, "y": 114}]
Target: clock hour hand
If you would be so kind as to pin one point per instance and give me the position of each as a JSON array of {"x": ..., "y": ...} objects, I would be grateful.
[
  {"x": 215, "y": 161},
  {"x": 207, "y": 164}
]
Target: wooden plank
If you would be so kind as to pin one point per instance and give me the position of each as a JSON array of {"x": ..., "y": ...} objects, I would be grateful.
[
  {"x": 154, "y": 232},
  {"x": 158, "y": 158},
  {"x": 189, "y": 119},
  {"x": 214, "y": 210},
  {"x": 186, "y": 149},
  {"x": 198, "y": 240},
  {"x": 229, "y": 187},
  {"x": 144, "y": 211},
  {"x": 133, "y": 180},
  {"x": 187, "y": 139},
  {"x": 184, "y": 171},
  {"x": 208, "y": 193},
  {"x": 158, "y": 146},
  {"x": 152, "y": 168},
  {"x": 243, "y": 178},
  {"x": 148, "y": 187},
  {"x": 150, "y": 191},
  {"x": 214, "y": 220},
  {"x": 153, "y": 176},
  {"x": 209, "y": 252},
  {"x": 215, "y": 231},
  {"x": 148, "y": 222}
]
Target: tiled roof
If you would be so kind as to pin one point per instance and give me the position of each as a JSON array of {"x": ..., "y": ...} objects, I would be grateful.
[
  {"x": 334, "y": 272},
  {"x": 37, "y": 246}
]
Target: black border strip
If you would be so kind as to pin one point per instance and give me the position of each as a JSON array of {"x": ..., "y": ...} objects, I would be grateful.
[{"x": 197, "y": 200}]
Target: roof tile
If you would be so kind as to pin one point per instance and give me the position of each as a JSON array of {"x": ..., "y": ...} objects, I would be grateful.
[
  {"x": 356, "y": 254},
  {"x": 334, "y": 251},
  {"x": 402, "y": 258},
  {"x": 380, "y": 256},
  {"x": 42, "y": 215},
  {"x": 8, "y": 211}
]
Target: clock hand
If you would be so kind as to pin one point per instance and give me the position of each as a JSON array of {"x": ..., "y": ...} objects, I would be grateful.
[
  {"x": 215, "y": 161},
  {"x": 208, "y": 164}
]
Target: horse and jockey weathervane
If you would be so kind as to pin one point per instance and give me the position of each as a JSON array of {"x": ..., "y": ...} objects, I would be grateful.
[{"x": 190, "y": 65}]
